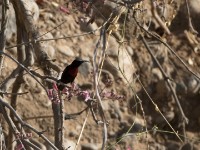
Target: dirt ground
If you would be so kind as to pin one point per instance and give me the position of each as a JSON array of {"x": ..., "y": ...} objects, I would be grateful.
[{"x": 145, "y": 127}]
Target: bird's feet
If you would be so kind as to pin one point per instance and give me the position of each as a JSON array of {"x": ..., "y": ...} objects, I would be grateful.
[
  {"x": 74, "y": 86},
  {"x": 53, "y": 94}
]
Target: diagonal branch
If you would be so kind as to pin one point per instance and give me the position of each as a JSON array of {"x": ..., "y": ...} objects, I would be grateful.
[
  {"x": 171, "y": 50},
  {"x": 16, "y": 71},
  {"x": 24, "y": 124},
  {"x": 184, "y": 118}
]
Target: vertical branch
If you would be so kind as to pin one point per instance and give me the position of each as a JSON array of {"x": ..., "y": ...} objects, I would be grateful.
[
  {"x": 22, "y": 56},
  {"x": 95, "y": 70},
  {"x": 158, "y": 19},
  {"x": 18, "y": 81},
  {"x": 2, "y": 139},
  {"x": 57, "y": 123},
  {"x": 191, "y": 28},
  {"x": 61, "y": 121},
  {"x": 5, "y": 7},
  {"x": 9, "y": 121}
]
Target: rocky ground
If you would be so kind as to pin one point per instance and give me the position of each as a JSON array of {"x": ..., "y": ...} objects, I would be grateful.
[{"x": 145, "y": 127}]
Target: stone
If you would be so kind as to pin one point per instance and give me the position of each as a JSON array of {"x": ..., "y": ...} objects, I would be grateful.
[
  {"x": 88, "y": 27},
  {"x": 90, "y": 146},
  {"x": 172, "y": 145},
  {"x": 130, "y": 50},
  {"x": 113, "y": 47},
  {"x": 68, "y": 144},
  {"x": 186, "y": 146},
  {"x": 85, "y": 68},
  {"x": 157, "y": 73},
  {"x": 65, "y": 50},
  {"x": 193, "y": 86},
  {"x": 49, "y": 45},
  {"x": 32, "y": 7},
  {"x": 125, "y": 61}
]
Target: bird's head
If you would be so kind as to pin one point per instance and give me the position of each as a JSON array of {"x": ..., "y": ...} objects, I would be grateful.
[{"x": 77, "y": 62}]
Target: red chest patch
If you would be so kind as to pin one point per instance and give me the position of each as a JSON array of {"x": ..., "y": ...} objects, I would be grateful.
[{"x": 73, "y": 71}]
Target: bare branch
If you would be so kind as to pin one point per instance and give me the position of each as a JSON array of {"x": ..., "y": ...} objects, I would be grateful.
[
  {"x": 95, "y": 70},
  {"x": 15, "y": 73},
  {"x": 167, "y": 45},
  {"x": 158, "y": 19},
  {"x": 24, "y": 124},
  {"x": 184, "y": 118},
  {"x": 4, "y": 20},
  {"x": 191, "y": 28}
]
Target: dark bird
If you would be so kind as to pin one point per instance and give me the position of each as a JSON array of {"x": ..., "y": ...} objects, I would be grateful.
[{"x": 70, "y": 73}]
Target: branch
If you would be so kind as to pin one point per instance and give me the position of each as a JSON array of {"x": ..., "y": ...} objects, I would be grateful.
[
  {"x": 15, "y": 72},
  {"x": 158, "y": 19},
  {"x": 95, "y": 71},
  {"x": 184, "y": 118},
  {"x": 167, "y": 45},
  {"x": 4, "y": 20},
  {"x": 24, "y": 124},
  {"x": 191, "y": 28}
]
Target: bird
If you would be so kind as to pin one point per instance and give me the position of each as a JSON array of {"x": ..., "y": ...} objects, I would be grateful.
[{"x": 70, "y": 73}]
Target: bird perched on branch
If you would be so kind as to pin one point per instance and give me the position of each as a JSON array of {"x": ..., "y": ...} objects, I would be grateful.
[{"x": 70, "y": 73}]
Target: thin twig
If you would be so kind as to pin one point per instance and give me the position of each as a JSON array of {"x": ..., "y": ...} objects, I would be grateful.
[
  {"x": 184, "y": 118},
  {"x": 26, "y": 69},
  {"x": 167, "y": 45},
  {"x": 191, "y": 28},
  {"x": 81, "y": 133},
  {"x": 58, "y": 38},
  {"x": 6, "y": 93},
  {"x": 158, "y": 19},
  {"x": 157, "y": 109},
  {"x": 95, "y": 70},
  {"x": 52, "y": 29},
  {"x": 24, "y": 124}
]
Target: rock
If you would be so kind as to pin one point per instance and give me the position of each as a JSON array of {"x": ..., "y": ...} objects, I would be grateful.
[
  {"x": 195, "y": 5},
  {"x": 105, "y": 105},
  {"x": 172, "y": 145},
  {"x": 181, "y": 88},
  {"x": 88, "y": 27},
  {"x": 182, "y": 17},
  {"x": 90, "y": 146},
  {"x": 156, "y": 146},
  {"x": 126, "y": 124},
  {"x": 68, "y": 144},
  {"x": 186, "y": 146},
  {"x": 112, "y": 49},
  {"x": 162, "y": 89},
  {"x": 157, "y": 73},
  {"x": 48, "y": 45},
  {"x": 50, "y": 51},
  {"x": 32, "y": 8},
  {"x": 193, "y": 85},
  {"x": 66, "y": 50},
  {"x": 159, "y": 120},
  {"x": 130, "y": 50},
  {"x": 116, "y": 112},
  {"x": 85, "y": 68},
  {"x": 125, "y": 61}
]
